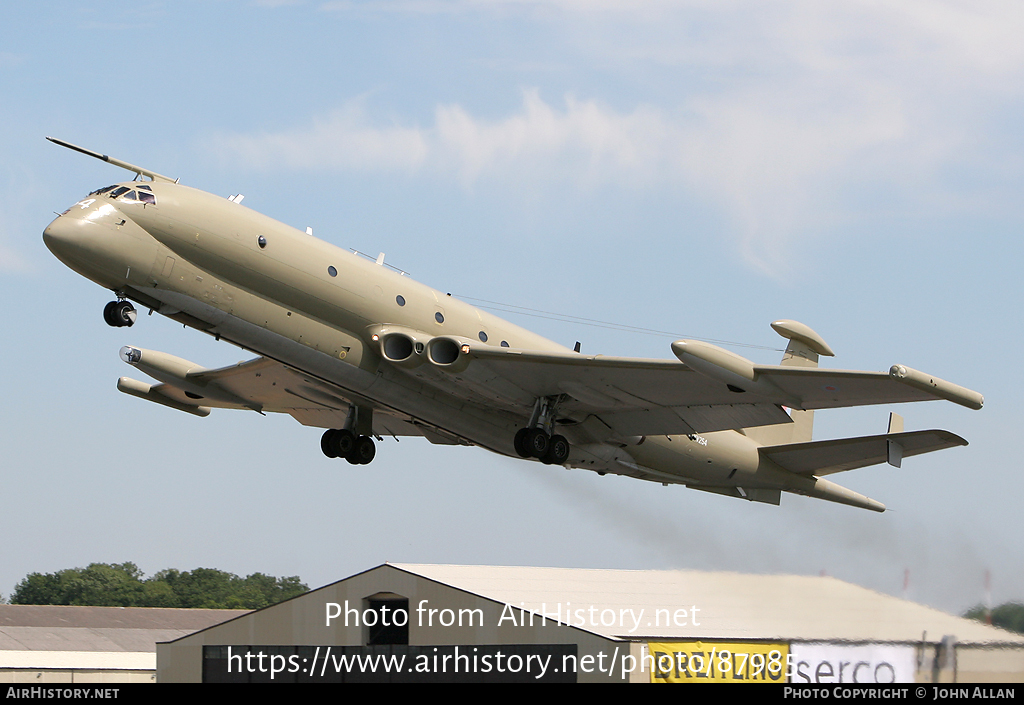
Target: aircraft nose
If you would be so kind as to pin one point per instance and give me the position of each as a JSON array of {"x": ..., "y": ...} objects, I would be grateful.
[
  {"x": 62, "y": 235},
  {"x": 56, "y": 232}
]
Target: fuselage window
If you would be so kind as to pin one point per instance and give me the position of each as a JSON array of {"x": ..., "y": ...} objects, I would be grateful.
[
  {"x": 261, "y": 241},
  {"x": 483, "y": 337},
  {"x": 332, "y": 271},
  {"x": 400, "y": 300},
  {"x": 439, "y": 317},
  {"x": 504, "y": 343}
]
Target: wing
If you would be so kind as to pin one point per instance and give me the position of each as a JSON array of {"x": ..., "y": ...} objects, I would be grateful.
[
  {"x": 611, "y": 396},
  {"x": 827, "y": 457},
  {"x": 631, "y": 396},
  {"x": 654, "y": 397},
  {"x": 266, "y": 385}
]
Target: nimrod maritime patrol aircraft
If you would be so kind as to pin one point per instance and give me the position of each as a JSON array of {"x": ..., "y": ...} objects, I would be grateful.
[{"x": 351, "y": 346}]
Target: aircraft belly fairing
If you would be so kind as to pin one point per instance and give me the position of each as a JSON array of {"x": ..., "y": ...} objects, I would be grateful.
[{"x": 365, "y": 352}]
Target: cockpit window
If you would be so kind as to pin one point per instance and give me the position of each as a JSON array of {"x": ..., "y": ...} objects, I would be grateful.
[
  {"x": 103, "y": 190},
  {"x": 130, "y": 196},
  {"x": 144, "y": 187}
]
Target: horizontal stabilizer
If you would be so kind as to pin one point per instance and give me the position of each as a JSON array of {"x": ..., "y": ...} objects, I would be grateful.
[{"x": 827, "y": 457}]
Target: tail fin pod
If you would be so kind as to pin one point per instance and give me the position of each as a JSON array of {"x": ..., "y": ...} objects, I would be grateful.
[
  {"x": 804, "y": 347},
  {"x": 803, "y": 350},
  {"x": 804, "y": 344}
]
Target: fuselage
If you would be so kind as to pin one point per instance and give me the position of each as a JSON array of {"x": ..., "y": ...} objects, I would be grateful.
[{"x": 223, "y": 268}]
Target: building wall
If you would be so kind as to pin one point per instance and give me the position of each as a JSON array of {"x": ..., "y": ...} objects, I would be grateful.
[
  {"x": 302, "y": 622},
  {"x": 51, "y": 676},
  {"x": 989, "y": 665}
]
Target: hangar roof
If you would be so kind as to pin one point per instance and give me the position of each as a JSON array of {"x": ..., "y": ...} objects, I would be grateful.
[
  {"x": 60, "y": 636},
  {"x": 728, "y": 605},
  {"x": 111, "y": 617}
]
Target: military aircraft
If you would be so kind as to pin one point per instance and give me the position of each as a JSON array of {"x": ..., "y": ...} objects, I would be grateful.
[{"x": 350, "y": 345}]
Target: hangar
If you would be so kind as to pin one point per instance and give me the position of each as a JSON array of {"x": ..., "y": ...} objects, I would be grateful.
[
  {"x": 42, "y": 644},
  {"x": 422, "y": 623}
]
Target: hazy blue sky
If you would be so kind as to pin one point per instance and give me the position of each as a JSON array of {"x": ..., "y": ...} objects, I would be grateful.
[{"x": 697, "y": 167}]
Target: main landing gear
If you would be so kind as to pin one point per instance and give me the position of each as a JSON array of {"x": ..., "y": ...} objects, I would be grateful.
[
  {"x": 342, "y": 443},
  {"x": 535, "y": 442},
  {"x": 120, "y": 313}
]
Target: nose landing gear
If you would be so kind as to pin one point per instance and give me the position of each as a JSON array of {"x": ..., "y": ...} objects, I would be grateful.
[{"x": 119, "y": 314}]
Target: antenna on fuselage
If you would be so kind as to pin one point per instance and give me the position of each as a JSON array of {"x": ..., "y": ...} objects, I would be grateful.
[{"x": 139, "y": 171}]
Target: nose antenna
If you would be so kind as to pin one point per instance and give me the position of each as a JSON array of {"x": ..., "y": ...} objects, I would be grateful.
[{"x": 139, "y": 171}]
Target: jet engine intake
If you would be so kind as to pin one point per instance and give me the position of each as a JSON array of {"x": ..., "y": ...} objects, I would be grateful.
[
  {"x": 401, "y": 346},
  {"x": 449, "y": 353},
  {"x": 397, "y": 347}
]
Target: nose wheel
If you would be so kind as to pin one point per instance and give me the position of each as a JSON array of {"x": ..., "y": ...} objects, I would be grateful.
[
  {"x": 120, "y": 314},
  {"x": 342, "y": 443}
]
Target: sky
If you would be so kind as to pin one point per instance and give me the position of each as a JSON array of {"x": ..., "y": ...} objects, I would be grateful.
[{"x": 696, "y": 167}]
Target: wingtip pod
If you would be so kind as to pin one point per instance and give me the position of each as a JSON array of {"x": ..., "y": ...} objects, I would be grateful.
[
  {"x": 144, "y": 391},
  {"x": 939, "y": 387}
]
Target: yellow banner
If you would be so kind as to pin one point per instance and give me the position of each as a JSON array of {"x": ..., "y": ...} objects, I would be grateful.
[{"x": 716, "y": 662}]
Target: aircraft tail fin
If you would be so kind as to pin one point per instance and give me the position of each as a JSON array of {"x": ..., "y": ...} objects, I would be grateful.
[{"x": 802, "y": 351}]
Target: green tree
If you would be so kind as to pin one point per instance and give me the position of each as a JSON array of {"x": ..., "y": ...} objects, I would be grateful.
[
  {"x": 100, "y": 584},
  {"x": 259, "y": 590},
  {"x": 206, "y": 588},
  {"x": 38, "y": 589},
  {"x": 1009, "y": 616},
  {"x": 106, "y": 585},
  {"x": 157, "y": 593},
  {"x": 124, "y": 585}
]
